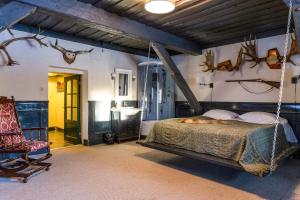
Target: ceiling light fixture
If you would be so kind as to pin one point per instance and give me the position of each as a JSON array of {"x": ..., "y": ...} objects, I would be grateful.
[{"x": 160, "y": 6}]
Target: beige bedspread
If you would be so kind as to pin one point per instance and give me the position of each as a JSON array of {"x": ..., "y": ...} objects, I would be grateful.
[{"x": 248, "y": 144}]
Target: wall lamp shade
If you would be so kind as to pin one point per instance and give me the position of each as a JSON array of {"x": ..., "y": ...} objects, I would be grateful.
[
  {"x": 160, "y": 6},
  {"x": 113, "y": 75}
]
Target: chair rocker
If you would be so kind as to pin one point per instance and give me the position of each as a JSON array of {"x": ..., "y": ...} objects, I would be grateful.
[{"x": 13, "y": 141}]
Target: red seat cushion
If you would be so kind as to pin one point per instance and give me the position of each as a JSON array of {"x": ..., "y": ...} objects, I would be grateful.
[
  {"x": 9, "y": 125},
  {"x": 36, "y": 145},
  {"x": 8, "y": 119},
  {"x": 19, "y": 143},
  {"x": 12, "y": 141}
]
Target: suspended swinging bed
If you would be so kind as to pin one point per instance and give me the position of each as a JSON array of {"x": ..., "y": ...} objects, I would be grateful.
[{"x": 219, "y": 160}]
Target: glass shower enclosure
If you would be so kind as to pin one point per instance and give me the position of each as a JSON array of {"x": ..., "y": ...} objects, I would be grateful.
[{"x": 159, "y": 98}]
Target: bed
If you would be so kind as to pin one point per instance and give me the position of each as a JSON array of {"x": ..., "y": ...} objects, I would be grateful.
[{"x": 236, "y": 143}]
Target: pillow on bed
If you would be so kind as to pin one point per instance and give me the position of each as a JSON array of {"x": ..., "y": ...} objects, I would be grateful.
[
  {"x": 221, "y": 114},
  {"x": 258, "y": 117},
  {"x": 269, "y": 118}
]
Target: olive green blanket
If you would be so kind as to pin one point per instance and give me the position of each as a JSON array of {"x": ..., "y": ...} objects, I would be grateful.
[{"x": 248, "y": 144}]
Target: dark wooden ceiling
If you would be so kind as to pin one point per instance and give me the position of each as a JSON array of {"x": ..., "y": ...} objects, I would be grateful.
[
  {"x": 66, "y": 26},
  {"x": 206, "y": 22}
]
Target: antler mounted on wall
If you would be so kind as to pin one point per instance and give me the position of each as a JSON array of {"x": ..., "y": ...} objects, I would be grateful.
[
  {"x": 294, "y": 50},
  {"x": 273, "y": 58},
  {"x": 69, "y": 55},
  {"x": 4, "y": 44},
  {"x": 251, "y": 53},
  {"x": 223, "y": 66}
]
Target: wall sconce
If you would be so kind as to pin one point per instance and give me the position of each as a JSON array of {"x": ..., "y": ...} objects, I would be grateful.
[
  {"x": 113, "y": 75},
  {"x": 201, "y": 81},
  {"x": 133, "y": 77},
  {"x": 211, "y": 85}
]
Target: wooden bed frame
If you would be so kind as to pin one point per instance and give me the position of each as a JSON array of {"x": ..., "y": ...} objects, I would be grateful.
[
  {"x": 290, "y": 111},
  {"x": 193, "y": 155},
  {"x": 200, "y": 156}
]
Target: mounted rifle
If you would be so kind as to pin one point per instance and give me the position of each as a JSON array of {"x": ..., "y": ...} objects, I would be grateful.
[{"x": 273, "y": 84}]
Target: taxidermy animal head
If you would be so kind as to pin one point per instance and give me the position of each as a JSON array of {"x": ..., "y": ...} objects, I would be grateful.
[
  {"x": 69, "y": 55},
  {"x": 273, "y": 58},
  {"x": 4, "y": 44}
]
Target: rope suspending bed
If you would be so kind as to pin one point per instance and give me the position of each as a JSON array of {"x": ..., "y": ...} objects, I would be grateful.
[{"x": 219, "y": 160}]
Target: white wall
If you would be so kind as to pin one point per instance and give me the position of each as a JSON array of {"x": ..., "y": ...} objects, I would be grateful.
[
  {"x": 29, "y": 80},
  {"x": 191, "y": 70}
]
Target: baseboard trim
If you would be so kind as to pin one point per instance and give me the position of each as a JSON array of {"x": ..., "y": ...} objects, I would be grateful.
[
  {"x": 54, "y": 128},
  {"x": 51, "y": 128},
  {"x": 59, "y": 129}
]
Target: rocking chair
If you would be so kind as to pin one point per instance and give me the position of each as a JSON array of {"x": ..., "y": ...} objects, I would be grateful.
[{"x": 13, "y": 141}]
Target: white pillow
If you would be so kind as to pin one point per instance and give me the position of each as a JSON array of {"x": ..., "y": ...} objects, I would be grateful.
[
  {"x": 220, "y": 114},
  {"x": 269, "y": 118},
  {"x": 258, "y": 117}
]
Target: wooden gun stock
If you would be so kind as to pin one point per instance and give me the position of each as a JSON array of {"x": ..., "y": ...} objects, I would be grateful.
[{"x": 274, "y": 84}]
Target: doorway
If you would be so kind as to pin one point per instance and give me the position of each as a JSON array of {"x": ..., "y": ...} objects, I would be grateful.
[{"x": 64, "y": 109}]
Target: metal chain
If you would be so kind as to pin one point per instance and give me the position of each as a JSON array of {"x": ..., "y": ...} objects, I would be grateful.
[
  {"x": 144, "y": 92},
  {"x": 273, "y": 162}
]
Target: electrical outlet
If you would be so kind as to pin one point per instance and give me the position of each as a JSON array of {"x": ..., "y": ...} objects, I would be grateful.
[{"x": 295, "y": 79}]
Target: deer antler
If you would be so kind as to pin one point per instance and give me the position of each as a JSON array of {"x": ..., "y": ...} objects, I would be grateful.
[
  {"x": 83, "y": 52},
  {"x": 250, "y": 48},
  {"x": 209, "y": 61},
  {"x": 57, "y": 47},
  {"x": 294, "y": 50},
  {"x": 10, "y": 61},
  {"x": 239, "y": 60},
  {"x": 5, "y": 43}
]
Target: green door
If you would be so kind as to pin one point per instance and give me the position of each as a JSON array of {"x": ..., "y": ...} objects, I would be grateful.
[{"x": 72, "y": 109}]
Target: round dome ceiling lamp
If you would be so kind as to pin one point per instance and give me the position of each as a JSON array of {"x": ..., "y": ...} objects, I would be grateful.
[{"x": 160, "y": 6}]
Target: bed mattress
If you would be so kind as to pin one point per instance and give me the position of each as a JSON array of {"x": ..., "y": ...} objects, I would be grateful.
[{"x": 246, "y": 143}]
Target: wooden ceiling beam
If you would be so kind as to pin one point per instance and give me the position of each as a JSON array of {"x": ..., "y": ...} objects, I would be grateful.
[
  {"x": 177, "y": 76},
  {"x": 100, "y": 19},
  {"x": 100, "y": 44},
  {"x": 13, "y": 12}
]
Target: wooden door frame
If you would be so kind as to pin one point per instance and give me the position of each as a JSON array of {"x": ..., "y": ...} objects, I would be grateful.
[{"x": 83, "y": 95}]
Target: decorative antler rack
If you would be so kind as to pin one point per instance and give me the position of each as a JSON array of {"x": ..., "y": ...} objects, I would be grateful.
[
  {"x": 273, "y": 58},
  {"x": 6, "y": 43},
  {"x": 68, "y": 55},
  {"x": 223, "y": 66},
  {"x": 249, "y": 50}
]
